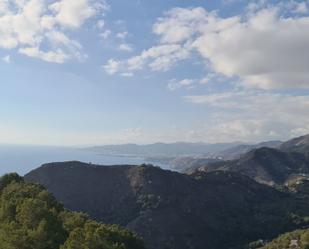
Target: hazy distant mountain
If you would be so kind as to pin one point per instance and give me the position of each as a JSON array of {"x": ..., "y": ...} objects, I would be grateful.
[
  {"x": 171, "y": 210},
  {"x": 190, "y": 163},
  {"x": 163, "y": 149},
  {"x": 237, "y": 151},
  {"x": 299, "y": 144},
  {"x": 265, "y": 165}
]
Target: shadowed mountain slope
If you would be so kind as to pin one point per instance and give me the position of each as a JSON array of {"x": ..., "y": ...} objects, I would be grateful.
[{"x": 171, "y": 210}]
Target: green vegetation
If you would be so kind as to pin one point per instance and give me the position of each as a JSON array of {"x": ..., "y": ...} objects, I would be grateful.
[
  {"x": 31, "y": 218},
  {"x": 298, "y": 239}
]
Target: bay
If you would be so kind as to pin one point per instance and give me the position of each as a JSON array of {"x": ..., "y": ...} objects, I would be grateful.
[{"x": 23, "y": 158}]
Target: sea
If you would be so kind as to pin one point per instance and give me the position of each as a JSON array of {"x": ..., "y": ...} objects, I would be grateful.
[{"x": 24, "y": 158}]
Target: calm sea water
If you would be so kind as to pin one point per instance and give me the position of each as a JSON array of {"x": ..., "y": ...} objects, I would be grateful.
[{"x": 22, "y": 159}]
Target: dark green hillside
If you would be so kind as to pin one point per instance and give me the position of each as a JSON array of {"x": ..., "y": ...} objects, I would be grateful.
[
  {"x": 298, "y": 239},
  {"x": 31, "y": 218},
  {"x": 172, "y": 210}
]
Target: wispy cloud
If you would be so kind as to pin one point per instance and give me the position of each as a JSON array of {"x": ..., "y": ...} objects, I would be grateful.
[{"x": 6, "y": 59}]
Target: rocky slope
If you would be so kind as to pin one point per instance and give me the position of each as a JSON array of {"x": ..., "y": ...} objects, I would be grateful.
[{"x": 171, "y": 210}]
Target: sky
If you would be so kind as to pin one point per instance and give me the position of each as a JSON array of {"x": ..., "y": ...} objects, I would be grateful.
[{"x": 89, "y": 72}]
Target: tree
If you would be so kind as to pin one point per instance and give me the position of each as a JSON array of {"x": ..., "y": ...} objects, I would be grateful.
[{"x": 31, "y": 218}]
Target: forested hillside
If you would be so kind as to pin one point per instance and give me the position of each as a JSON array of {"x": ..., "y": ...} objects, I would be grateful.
[{"x": 31, "y": 218}]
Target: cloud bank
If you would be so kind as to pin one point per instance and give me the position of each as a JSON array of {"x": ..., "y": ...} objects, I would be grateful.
[
  {"x": 254, "y": 115},
  {"x": 265, "y": 47}
]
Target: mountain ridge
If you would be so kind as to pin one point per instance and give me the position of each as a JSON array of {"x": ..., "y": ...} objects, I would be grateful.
[{"x": 172, "y": 210}]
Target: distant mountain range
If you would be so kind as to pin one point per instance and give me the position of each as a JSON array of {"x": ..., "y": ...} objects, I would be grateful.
[
  {"x": 163, "y": 149},
  {"x": 190, "y": 163},
  {"x": 224, "y": 151},
  {"x": 268, "y": 165},
  {"x": 182, "y": 156},
  {"x": 236, "y": 151},
  {"x": 299, "y": 144}
]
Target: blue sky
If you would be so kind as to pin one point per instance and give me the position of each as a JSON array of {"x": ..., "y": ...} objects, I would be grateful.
[{"x": 80, "y": 72}]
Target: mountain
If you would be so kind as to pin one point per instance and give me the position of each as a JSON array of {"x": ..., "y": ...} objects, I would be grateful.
[
  {"x": 265, "y": 165},
  {"x": 299, "y": 144},
  {"x": 237, "y": 151},
  {"x": 162, "y": 149},
  {"x": 172, "y": 210}
]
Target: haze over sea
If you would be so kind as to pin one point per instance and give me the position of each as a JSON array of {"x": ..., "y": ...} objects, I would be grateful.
[{"x": 24, "y": 158}]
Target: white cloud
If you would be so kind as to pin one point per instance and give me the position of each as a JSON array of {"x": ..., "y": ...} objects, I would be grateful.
[
  {"x": 100, "y": 24},
  {"x": 264, "y": 47},
  {"x": 125, "y": 47},
  {"x": 179, "y": 24},
  {"x": 265, "y": 51},
  {"x": 158, "y": 58},
  {"x": 127, "y": 75},
  {"x": 205, "y": 80},
  {"x": 72, "y": 13},
  {"x": 122, "y": 35},
  {"x": 112, "y": 66},
  {"x": 6, "y": 59},
  {"x": 177, "y": 84},
  {"x": 57, "y": 56},
  {"x": 252, "y": 116},
  {"x": 29, "y": 26},
  {"x": 106, "y": 34},
  {"x": 226, "y": 99}
]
